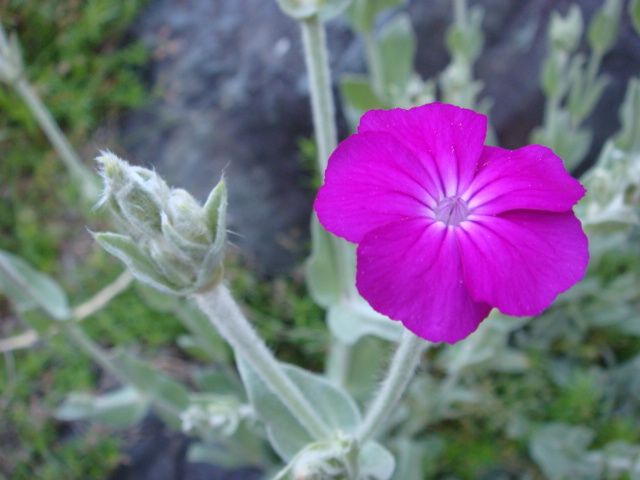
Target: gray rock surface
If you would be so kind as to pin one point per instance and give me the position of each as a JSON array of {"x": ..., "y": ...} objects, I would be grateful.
[{"x": 229, "y": 93}]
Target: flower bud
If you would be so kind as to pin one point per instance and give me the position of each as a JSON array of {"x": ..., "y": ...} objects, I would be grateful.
[
  {"x": 565, "y": 32},
  {"x": 172, "y": 243},
  {"x": 603, "y": 29},
  {"x": 218, "y": 413}
]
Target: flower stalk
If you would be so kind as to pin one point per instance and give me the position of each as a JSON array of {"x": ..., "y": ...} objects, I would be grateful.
[
  {"x": 233, "y": 326},
  {"x": 323, "y": 111},
  {"x": 401, "y": 371}
]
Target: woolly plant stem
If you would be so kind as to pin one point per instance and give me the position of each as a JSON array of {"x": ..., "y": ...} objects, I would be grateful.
[
  {"x": 233, "y": 326},
  {"x": 324, "y": 123},
  {"x": 401, "y": 371},
  {"x": 87, "y": 182}
]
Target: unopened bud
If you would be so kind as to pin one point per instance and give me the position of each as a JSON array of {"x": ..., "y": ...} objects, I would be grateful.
[
  {"x": 171, "y": 234},
  {"x": 565, "y": 32}
]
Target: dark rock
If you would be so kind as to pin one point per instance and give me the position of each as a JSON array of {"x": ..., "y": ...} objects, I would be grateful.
[
  {"x": 232, "y": 96},
  {"x": 156, "y": 453}
]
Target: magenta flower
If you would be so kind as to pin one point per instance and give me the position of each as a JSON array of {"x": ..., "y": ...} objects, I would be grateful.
[{"x": 448, "y": 228}]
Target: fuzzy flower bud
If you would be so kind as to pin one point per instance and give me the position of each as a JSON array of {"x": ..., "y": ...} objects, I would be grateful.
[
  {"x": 171, "y": 242},
  {"x": 565, "y": 32},
  {"x": 217, "y": 413}
]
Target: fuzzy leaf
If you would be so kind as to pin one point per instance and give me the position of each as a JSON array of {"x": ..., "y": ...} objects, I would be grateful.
[
  {"x": 357, "y": 93},
  {"x": 136, "y": 260},
  {"x": 161, "y": 390},
  {"x": 397, "y": 51},
  {"x": 215, "y": 209},
  {"x": 286, "y": 435},
  {"x": 119, "y": 408},
  {"x": 27, "y": 287},
  {"x": 603, "y": 29},
  {"x": 363, "y": 13},
  {"x": 375, "y": 462},
  {"x": 351, "y": 320},
  {"x": 320, "y": 269}
]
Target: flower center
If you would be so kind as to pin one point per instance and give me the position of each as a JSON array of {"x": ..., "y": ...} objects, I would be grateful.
[{"x": 451, "y": 210}]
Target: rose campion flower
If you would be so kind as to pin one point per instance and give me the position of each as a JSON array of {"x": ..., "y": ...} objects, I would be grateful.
[{"x": 448, "y": 228}]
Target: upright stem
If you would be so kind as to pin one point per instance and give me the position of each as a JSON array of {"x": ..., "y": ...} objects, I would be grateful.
[
  {"x": 460, "y": 12},
  {"x": 338, "y": 361},
  {"x": 86, "y": 180},
  {"x": 401, "y": 371},
  {"x": 324, "y": 124},
  {"x": 226, "y": 316},
  {"x": 322, "y": 107}
]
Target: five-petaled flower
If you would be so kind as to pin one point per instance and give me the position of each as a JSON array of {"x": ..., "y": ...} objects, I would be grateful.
[{"x": 448, "y": 228}]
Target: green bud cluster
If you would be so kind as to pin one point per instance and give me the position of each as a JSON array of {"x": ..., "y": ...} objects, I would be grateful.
[
  {"x": 169, "y": 240},
  {"x": 565, "y": 32},
  {"x": 216, "y": 413}
]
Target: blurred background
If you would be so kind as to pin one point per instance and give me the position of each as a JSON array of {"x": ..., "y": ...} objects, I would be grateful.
[{"x": 195, "y": 88}]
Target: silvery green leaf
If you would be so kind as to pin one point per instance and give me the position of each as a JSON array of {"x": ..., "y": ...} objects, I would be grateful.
[
  {"x": 120, "y": 408},
  {"x": 565, "y": 32},
  {"x": 26, "y": 287},
  {"x": 560, "y": 450},
  {"x": 466, "y": 41},
  {"x": 210, "y": 271},
  {"x": 620, "y": 459},
  {"x": 416, "y": 459},
  {"x": 179, "y": 243},
  {"x": 136, "y": 260},
  {"x": 215, "y": 209},
  {"x": 286, "y": 435},
  {"x": 203, "y": 332},
  {"x": 216, "y": 454},
  {"x": 219, "y": 381},
  {"x": 320, "y": 269},
  {"x": 375, "y": 462},
  {"x": 629, "y": 137},
  {"x": 363, "y": 13},
  {"x": 358, "y": 94},
  {"x": 303, "y": 9},
  {"x": 368, "y": 362},
  {"x": 169, "y": 396},
  {"x": 485, "y": 346},
  {"x": 397, "y": 44},
  {"x": 603, "y": 28},
  {"x": 353, "y": 318}
]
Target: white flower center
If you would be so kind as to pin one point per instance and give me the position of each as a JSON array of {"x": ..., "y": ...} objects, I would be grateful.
[{"x": 451, "y": 210}]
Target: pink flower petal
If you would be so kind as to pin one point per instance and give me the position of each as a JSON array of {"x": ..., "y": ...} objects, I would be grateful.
[
  {"x": 448, "y": 139},
  {"x": 410, "y": 270},
  {"x": 531, "y": 178},
  {"x": 371, "y": 180},
  {"x": 521, "y": 260}
]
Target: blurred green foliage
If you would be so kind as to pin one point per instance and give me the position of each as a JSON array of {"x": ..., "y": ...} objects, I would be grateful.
[{"x": 76, "y": 61}]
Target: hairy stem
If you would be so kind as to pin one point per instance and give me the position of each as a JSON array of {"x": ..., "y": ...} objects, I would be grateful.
[
  {"x": 322, "y": 107},
  {"x": 226, "y": 316},
  {"x": 87, "y": 181},
  {"x": 401, "y": 371},
  {"x": 324, "y": 124}
]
